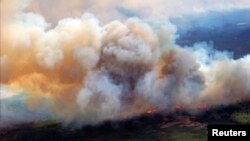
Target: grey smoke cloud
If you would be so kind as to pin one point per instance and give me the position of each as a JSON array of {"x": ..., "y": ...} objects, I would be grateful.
[{"x": 90, "y": 72}]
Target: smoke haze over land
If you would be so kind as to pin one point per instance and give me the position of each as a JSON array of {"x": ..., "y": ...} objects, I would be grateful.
[{"x": 89, "y": 69}]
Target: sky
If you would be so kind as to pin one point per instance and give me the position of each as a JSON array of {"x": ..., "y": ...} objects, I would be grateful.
[{"x": 107, "y": 10}]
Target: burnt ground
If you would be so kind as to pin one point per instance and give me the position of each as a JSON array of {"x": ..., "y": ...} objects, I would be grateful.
[{"x": 177, "y": 126}]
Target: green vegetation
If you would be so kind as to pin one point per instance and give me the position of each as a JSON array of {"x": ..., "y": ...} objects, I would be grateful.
[
  {"x": 54, "y": 132},
  {"x": 186, "y": 134},
  {"x": 149, "y": 128},
  {"x": 241, "y": 117}
]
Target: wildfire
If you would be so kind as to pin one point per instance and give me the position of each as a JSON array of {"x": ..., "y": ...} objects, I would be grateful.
[
  {"x": 151, "y": 111},
  {"x": 178, "y": 107},
  {"x": 201, "y": 106}
]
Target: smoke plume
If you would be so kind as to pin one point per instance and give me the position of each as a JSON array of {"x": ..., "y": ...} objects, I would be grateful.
[{"x": 86, "y": 72}]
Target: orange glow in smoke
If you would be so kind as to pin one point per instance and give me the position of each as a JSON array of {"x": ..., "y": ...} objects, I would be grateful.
[
  {"x": 178, "y": 107},
  {"x": 201, "y": 106},
  {"x": 151, "y": 111}
]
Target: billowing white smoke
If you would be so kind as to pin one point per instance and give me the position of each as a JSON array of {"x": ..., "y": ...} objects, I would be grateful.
[
  {"x": 87, "y": 72},
  {"x": 179, "y": 80}
]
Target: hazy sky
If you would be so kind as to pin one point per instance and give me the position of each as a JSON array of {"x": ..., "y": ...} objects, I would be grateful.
[{"x": 107, "y": 10}]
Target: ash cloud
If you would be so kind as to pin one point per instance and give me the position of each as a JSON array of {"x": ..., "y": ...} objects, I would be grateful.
[{"x": 87, "y": 72}]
